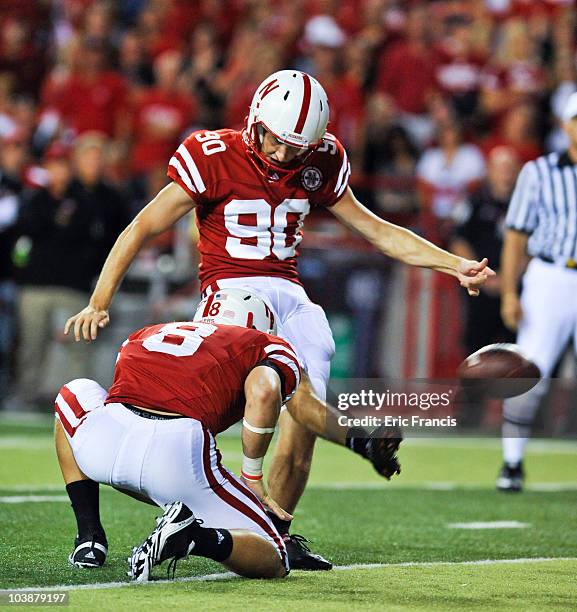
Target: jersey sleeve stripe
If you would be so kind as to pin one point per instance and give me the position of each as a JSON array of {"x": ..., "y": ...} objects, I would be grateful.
[
  {"x": 290, "y": 363},
  {"x": 192, "y": 168},
  {"x": 69, "y": 429},
  {"x": 175, "y": 163},
  {"x": 72, "y": 401},
  {"x": 118, "y": 355},
  {"x": 342, "y": 172},
  {"x": 345, "y": 181},
  {"x": 280, "y": 347},
  {"x": 67, "y": 412}
]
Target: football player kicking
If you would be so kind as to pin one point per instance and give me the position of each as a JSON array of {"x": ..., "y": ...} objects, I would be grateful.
[
  {"x": 176, "y": 386},
  {"x": 252, "y": 191}
]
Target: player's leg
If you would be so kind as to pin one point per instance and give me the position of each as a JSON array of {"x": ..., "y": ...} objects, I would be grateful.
[
  {"x": 546, "y": 327},
  {"x": 34, "y": 329},
  {"x": 254, "y": 557},
  {"x": 305, "y": 326},
  {"x": 216, "y": 517},
  {"x": 291, "y": 464},
  {"x": 179, "y": 534},
  {"x": 308, "y": 331},
  {"x": 91, "y": 546}
]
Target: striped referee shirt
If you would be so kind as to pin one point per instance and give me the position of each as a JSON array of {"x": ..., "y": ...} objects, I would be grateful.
[{"x": 544, "y": 205}]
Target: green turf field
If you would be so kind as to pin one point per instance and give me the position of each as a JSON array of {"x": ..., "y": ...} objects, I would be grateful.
[{"x": 391, "y": 541}]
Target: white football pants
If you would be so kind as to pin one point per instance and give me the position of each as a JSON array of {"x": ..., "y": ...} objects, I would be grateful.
[
  {"x": 299, "y": 321},
  {"x": 549, "y": 303},
  {"x": 164, "y": 460}
]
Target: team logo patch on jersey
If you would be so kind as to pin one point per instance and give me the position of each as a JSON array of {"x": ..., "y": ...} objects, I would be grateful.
[{"x": 311, "y": 178}]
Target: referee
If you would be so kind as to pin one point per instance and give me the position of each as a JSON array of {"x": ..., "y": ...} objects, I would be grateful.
[{"x": 541, "y": 222}]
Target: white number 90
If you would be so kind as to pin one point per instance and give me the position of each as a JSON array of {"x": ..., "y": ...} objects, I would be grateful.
[{"x": 211, "y": 142}]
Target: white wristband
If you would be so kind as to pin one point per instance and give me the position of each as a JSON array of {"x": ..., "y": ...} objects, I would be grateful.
[
  {"x": 257, "y": 430},
  {"x": 252, "y": 468}
]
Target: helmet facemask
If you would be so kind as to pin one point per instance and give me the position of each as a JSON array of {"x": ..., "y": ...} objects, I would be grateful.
[{"x": 271, "y": 171}]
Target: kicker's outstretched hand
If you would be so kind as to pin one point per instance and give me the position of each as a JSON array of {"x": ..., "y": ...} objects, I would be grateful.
[
  {"x": 473, "y": 274},
  {"x": 87, "y": 323}
]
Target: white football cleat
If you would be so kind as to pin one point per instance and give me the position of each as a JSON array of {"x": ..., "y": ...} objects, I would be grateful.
[{"x": 172, "y": 539}]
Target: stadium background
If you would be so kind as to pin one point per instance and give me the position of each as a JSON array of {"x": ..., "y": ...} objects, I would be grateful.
[{"x": 117, "y": 85}]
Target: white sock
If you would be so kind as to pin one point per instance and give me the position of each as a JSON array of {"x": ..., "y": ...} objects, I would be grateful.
[{"x": 514, "y": 447}]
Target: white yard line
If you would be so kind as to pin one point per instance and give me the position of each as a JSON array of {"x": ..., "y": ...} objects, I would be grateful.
[
  {"x": 555, "y": 487},
  {"x": 26, "y": 499},
  {"x": 540, "y": 487},
  {"x": 26, "y": 443},
  {"x": 341, "y": 568},
  {"x": 539, "y": 446},
  {"x": 489, "y": 525},
  {"x": 32, "y": 488},
  {"x": 29, "y": 419}
]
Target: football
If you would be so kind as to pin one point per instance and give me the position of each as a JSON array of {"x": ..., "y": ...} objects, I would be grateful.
[{"x": 499, "y": 371}]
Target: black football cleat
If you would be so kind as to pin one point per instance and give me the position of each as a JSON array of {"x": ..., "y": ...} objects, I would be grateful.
[
  {"x": 89, "y": 552},
  {"x": 300, "y": 556},
  {"x": 172, "y": 539},
  {"x": 510, "y": 478}
]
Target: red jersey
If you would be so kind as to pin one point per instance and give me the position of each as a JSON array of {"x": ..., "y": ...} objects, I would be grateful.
[
  {"x": 159, "y": 119},
  {"x": 93, "y": 105},
  {"x": 408, "y": 76},
  {"x": 198, "y": 370},
  {"x": 250, "y": 225}
]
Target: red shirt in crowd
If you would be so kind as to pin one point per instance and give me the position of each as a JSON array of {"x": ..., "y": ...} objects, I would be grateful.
[
  {"x": 95, "y": 104},
  {"x": 408, "y": 76},
  {"x": 159, "y": 119},
  {"x": 347, "y": 110},
  {"x": 524, "y": 78},
  {"x": 198, "y": 370},
  {"x": 458, "y": 73},
  {"x": 526, "y": 150},
  {"x": 235, "y": 111}
]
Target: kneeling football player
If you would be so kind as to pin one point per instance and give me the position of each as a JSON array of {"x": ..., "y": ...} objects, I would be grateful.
[{"x": 175, "y": 387}]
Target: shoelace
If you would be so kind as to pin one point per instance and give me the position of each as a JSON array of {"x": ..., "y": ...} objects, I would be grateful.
[
  {"x": 300, "y": 541},
  {"x": 171, "y": 569},
  {"x": 147, "y": 546}
]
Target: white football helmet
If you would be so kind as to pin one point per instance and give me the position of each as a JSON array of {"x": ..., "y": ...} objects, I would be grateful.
[
  {"x": 294, "y": 108},
  {"x": 236, "y": 307}
]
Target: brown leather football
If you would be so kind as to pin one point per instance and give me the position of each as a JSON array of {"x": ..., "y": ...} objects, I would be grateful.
[{"x": 499, "y": 371}]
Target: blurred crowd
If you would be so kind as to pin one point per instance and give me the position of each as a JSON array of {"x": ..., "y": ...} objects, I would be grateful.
[{"x": 438, "y": 103}]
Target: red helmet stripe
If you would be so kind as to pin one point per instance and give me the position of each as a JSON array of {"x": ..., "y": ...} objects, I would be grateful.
[{"x": 305, "y": 105}]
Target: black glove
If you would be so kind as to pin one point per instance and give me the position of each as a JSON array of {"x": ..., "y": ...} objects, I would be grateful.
[{"x": 379, "y": 447}]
